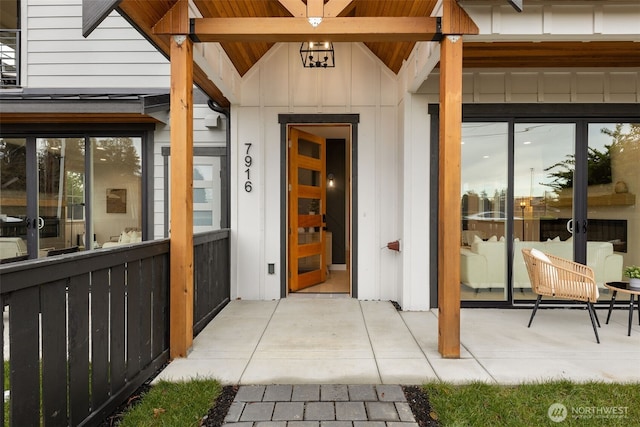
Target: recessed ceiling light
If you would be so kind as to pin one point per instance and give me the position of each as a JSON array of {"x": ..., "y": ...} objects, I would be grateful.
[
  {"x": 527, "y": 142},
  {"x": 485, "y": 157}
]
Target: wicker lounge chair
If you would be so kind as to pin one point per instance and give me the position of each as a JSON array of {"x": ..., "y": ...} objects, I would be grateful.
[{"x": 560, "y": 278}]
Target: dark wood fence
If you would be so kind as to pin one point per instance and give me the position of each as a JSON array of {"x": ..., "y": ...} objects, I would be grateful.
[
  {"x": 211, "y": 276},
  {"x": 87, "y": 329}
]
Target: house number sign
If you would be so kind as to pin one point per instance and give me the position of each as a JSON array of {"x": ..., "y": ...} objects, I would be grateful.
[{"x": 248, "y": 161}]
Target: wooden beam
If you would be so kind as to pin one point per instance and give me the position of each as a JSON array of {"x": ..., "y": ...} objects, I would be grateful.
[
  {"x": 449, "y": 216},
  {"x": 455, "y": 20},
  {"x": 175, "y": 21},
  {"x": 315, "y": 8},
  {"x": 333, "y": 8},
  {"x": 340, "y": 29},
  {"x": 295, "y": 7},
  {"x": 181, "y": 119}
]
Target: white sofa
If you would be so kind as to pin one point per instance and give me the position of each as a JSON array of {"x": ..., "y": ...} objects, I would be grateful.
[
  {"x": 484, "y": 264},
  {"x": 128, "y": 235}
]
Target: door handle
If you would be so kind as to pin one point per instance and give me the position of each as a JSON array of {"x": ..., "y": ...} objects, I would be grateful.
[
  {"x": 584, "y": 226},
  {"x": 570, "y": 226},
  {"x": 32, "y": 222}
]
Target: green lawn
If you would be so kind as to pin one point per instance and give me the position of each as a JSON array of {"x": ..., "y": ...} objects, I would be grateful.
[
  {"x": 174, "y": 404},
  {"x": 587, "y": 404}
]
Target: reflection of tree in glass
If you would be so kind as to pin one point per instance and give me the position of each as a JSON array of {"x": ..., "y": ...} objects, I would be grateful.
[
  {"x": 13, "y": 172},
  {"x": 75, "y": 186},
  {"x": 598, "y": 166},
  {"x": 119, "y": 154},
  {"x": 622, "y": 140}
]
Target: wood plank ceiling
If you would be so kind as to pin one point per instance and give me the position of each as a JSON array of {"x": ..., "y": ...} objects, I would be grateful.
[{"x": 145, "y": 14}]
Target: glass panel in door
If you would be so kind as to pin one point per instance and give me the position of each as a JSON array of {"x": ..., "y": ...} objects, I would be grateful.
[
  {"x": 483, "y": 252},
  {"x": 207, "y": 194},
  {"x": 613, "y": 214},
  {"x": 542, "y": 195},
  {"x": 60, "y": 219},
  {"x": 13, "y": 199}
]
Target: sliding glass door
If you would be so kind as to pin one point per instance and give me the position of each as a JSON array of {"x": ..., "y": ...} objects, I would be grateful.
[
  {"x": 484, "y": 169},
  {"x": 13, "y": 199},
  {"x": 57, "y": 190},
  {"x": 613, "y": 213},
  {"x": 543, "y": 170}
]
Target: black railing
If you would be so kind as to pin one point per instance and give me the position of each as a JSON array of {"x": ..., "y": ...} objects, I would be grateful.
[{"x": 87, "y": 329}]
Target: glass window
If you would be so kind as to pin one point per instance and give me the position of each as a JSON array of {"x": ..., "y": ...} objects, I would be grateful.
[
  {"x": 9, "y": 42},
  {"x": 116, "y": 190}
]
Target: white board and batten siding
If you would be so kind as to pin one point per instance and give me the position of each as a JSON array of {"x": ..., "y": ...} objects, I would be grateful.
[{"x": 278, "y": 84}]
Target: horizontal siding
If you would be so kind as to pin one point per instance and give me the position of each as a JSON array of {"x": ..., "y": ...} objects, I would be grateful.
[{"x": 115, "y": 55}]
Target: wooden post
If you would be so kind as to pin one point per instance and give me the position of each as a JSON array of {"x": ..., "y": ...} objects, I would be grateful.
[
  {"x": 181, "y": 120},
  {"x": 449, "y": 215}
]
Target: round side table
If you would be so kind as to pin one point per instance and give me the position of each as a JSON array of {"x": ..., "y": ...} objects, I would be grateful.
[{"x": 633, "y": 293}]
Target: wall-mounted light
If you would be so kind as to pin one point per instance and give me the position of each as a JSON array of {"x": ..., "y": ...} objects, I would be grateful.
[{"x": 331, "y": 180}]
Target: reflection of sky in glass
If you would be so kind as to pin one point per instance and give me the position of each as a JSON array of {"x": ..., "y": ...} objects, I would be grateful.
[
  {"x": 484, "y": 157},
  {"x": 203, "y": 172},
  {"x": 537, "y": 147}
]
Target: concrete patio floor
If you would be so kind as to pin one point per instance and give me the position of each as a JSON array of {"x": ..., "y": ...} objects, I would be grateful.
[{"x": 346, "y": 341}]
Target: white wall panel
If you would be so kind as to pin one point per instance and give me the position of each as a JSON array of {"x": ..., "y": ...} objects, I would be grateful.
[
  {"x": 365, "y": 77},
  {"x": 388, "y": 88},
  {"x": 305, "y": 88},
  {"x": 248, "y": 216},
  {"x": 274, "y": 78},
  {"x": 387, "y": 202},
  {"x": 415, "y": 211},
  {"x": 336, "y": 82},
  {"x": 570, "y": 19},
  {"x": 250, "y": 94},
  {"x": 368, "y": 244},
  {"x": 548, "y": 20},
  {"x": 507, "y": 20},
  {"x": 621, "y": 19},
  {"x": 590, "y": 86}
]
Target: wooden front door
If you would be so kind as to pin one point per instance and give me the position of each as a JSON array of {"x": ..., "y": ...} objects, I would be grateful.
[{"x": 307, "y": 209}]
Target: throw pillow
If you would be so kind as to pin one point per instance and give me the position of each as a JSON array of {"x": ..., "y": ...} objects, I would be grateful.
[
  {"x": 476, "y": 239},
  {"x": 493, "y": 238}
]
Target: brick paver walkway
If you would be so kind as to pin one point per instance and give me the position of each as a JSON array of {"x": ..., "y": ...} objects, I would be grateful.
[{"x": 320, "y": 406}]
